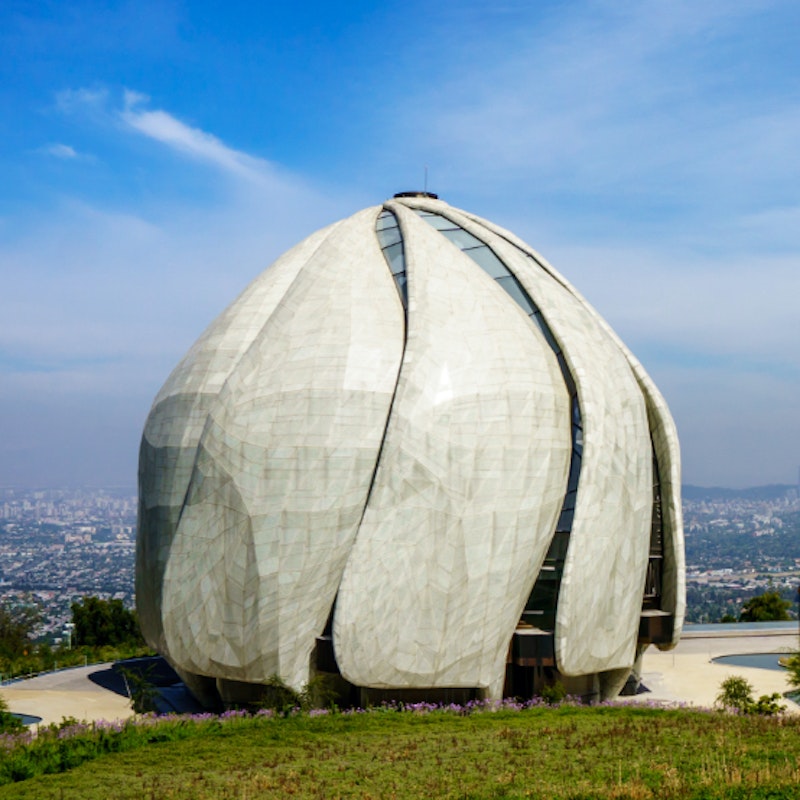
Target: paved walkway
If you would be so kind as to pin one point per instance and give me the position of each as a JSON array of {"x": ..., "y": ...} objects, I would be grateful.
[
  {"x": 687, "y": 673},
  {"x": 683, "y": 675},
  {"x": 68, "y": 693}
]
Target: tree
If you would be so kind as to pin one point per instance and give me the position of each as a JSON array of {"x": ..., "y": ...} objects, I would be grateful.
[
  {"x": 793, "y": 665},
  {"x": 767, "y": 607},
  {"x": 736, "y": 694},
  {"x": 141, "y": 689},
  {"x": 104, "y": 622},
  {"x": 8, "y": 722},
  {"x": 16, "y": 630}
]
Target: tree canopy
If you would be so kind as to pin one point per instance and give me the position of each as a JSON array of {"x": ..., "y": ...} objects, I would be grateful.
[
  {"x": 16, "y": 630},
  {"x": 104, "y": 622},
  {"x": 767, "y": 607}
]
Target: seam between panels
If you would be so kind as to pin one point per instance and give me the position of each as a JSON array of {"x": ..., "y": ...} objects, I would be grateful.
[
  {"x": 569, "y": 502},
  {"x": 650, "y": 400},
  {"x": 236, "y": 365},
  {"x": 399, "y": 368},
  {"x": 379, "y": 455}
]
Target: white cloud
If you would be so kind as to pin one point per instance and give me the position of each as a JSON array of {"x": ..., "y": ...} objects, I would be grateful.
[
  {"x": 167, "y": 129},
  {"x": 741, "y": 306},
  {"x": 60, "y": 151},
  {"x": 71, "y": 101},
  {"x": 638, "y": 98}
]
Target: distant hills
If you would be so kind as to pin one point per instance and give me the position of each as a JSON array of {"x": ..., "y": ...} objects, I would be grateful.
[{"x": 774, "y": 491}]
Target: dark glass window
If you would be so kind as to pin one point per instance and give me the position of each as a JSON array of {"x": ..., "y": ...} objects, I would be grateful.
[
  {"x": 440, "y": 223},
  {"x": 460, "y": 238},
  {"x": 541, "y": 606},
  {"x": 391, "y": 241},
  {"x": 488, "y": 262},
  {"x": 511, "y": 285},
  {"x": 395, "y": 258},
  {"x": 389, "y": 236}
]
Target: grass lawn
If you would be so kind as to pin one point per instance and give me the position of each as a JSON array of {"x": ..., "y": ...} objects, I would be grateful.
[{"x": 566, "y": 752}]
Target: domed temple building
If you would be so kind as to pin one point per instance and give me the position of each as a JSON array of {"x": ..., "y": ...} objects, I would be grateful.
[{"x": 411, "y": 456}]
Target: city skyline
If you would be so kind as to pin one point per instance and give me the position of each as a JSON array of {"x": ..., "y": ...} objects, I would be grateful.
[{"x": 158, "y": 157}]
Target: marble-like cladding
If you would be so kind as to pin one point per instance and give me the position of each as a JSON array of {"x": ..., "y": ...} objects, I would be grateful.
[
  {"x": 318, "y": 440},
  {"x": 468, "y": 489}
]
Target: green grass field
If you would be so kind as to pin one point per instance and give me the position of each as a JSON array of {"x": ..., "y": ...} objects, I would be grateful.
[{"x": 566, "y": 752}]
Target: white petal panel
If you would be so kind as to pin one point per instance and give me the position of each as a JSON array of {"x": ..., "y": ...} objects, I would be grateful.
[
  {"x": 600, "y": 596},
  {"x": 667, "y": 452},
  {"x": 665, "y": 445},
  {"x": 178, "y": 415},
  {"x": 468, "y": 489},
  {"x": 283, "y": 469}
]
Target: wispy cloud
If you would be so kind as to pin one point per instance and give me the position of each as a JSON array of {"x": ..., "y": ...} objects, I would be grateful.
[
  {"x": 613, "y": 96},
  {"x": 59, "y": 150},
  {"x": 100, "y": 298},
  {"x": 70, "y": 101},
  {"x": 136, "y": 116},
  {"x": 167, "y": 129}
]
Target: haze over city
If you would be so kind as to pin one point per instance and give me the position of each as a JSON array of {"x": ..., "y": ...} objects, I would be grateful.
[{"x": 157, "y": 156}]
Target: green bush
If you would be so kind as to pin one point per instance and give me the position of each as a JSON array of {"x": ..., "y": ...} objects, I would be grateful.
[
  {"x": 8, "y": 722},
  {"x": 793, "y": 665},
  {"x": 736, "y": 694},
  {"x": 766, "y": 607},
  {"x": 554, "y": 694},
  {"x": 277, "y": 696},
  {"x": 767, "y": 705}
]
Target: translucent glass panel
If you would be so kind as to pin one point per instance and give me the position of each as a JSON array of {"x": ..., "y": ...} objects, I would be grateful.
[
  {"x": 391, "y": 242},
  {"x": 488, "y": 261},
  {"x": 653, "y": 585}
]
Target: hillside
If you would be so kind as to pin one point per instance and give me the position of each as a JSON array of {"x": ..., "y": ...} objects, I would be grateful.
[
  {"x": 774, "y": 491},
  {"x": 542, "y": 752}
]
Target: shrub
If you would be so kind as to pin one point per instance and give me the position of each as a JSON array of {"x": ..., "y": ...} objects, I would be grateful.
[
  {"x": 8, "y": 722},
  {"x": 767, "y": 705},
  {"x": 793, "y": 665},
  {"x": 554, "y": 693},
  {"x": 141, "y": 689},
  {"x": 736, "y": 694},
  {"x": 277, "y": 696}
]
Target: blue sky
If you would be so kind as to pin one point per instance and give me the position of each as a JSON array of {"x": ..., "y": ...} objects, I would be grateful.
[{"x": 156, "y": 156}]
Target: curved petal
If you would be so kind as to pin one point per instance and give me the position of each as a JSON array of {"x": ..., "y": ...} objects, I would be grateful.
[
  {"x": 176, "y": 421},
  {"x": 468, "y": 488},
  {"x": 283, "y": 469},
  {"x": 665, "y": 446},
  {"x": 600, "y": 595}
]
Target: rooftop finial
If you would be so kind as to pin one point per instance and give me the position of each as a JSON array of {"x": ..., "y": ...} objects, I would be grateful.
[{"x": 429, "y": 195}]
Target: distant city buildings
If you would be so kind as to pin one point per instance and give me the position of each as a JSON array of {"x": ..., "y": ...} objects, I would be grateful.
[
  {"x": 737, "y": 547},
  {"x": 58, "y": 545}
]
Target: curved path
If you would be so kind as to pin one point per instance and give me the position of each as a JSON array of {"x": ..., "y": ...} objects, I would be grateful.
[
  {"x": 68, "y": 693},
  {"x": 683, "y": 675},
  {"x": 688, "y": 675}
]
